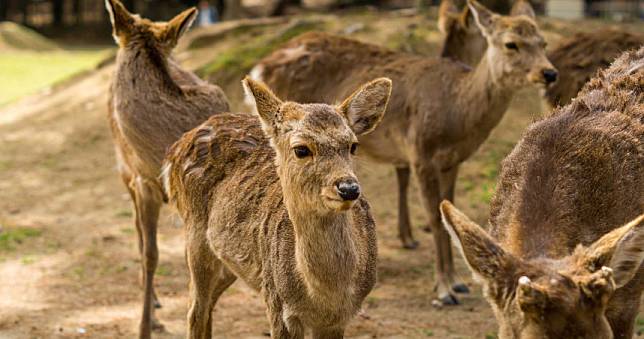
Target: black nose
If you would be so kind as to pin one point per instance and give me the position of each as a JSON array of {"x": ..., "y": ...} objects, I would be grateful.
[
  {"x": 348, "y": 189},
  {"x": 550, "y": 75}
]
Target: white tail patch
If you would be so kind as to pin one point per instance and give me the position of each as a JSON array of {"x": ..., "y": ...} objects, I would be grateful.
[{"x": 165, "y": 178}]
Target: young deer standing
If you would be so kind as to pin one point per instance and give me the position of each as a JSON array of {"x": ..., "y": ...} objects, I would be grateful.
[
  {"x": 152, "y": 103},
  {"x": 556, "y": 263},
  {"x": 440, "y": 110},
  {"x": 280, "y": 209}
]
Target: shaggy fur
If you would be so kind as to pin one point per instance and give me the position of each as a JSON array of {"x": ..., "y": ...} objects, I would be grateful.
[
  {"x": 422, "y": 130},
  {"x": 556, "y": 220},
  {"x": 580, "y": 56},
  {"x": 152, "y": 102},
  {"x": 256, "y": 211}
]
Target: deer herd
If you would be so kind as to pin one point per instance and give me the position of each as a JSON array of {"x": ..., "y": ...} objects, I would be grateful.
[{"x": 272, "y": 198}]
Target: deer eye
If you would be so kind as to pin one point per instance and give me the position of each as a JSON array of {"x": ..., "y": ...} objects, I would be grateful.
[
  {"x": 354, "y": 148},
  {"x": 301, "y": 151},
  {"x": 512, "y": 46}
]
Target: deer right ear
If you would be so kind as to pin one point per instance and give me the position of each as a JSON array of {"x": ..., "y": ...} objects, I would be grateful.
[
  {"x": 447, "y": 15},
  {"x": 365, "y": 108},
  {"x": 522, "y": 7},
  {"x": 122, "y": 20},
  {"x": 266, "y": 103},
  {"x": 486, "y": 259},
  {"x": 484, "y": 17}
]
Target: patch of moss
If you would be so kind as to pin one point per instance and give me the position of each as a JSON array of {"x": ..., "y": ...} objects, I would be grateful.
[
  {"x": 12, "y": 236},
  {"x": 207, "y": 40},
  {"x": 241, "y": 59}
]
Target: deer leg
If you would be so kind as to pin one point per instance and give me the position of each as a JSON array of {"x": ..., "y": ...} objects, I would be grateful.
[
  {"x": 404, "y": 225},
  {"x": 130, "y": 185},
  {"x": 148, "y": 203},
  {"x": 447, "y": 183},
  {"x": 209, "y": 278},
  {"x": 428, "y": 180},
  {"x": 284, "y": 325},
  {"x": 328, "y": 333}
]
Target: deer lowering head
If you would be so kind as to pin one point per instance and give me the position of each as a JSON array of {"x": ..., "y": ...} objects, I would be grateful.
[
  {"x": 516, "y": 50},
  {"x": 314, "y": 143},
  {"x": 550, "y": 298},
  {"x": 130, "y": 30}
]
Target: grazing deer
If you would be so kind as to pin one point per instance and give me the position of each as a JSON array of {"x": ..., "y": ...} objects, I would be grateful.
[
  {"x": 580, "y": 56},
  {"x": 152, "y": 103},
  {"x": 274, "y": 201},
  {"x": 440, "y": 110},
  {"x": 463, "y": 39},
  {"x": 558, "y": 263}
]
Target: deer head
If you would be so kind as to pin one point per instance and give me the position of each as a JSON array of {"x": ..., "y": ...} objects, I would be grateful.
[
  {"x": 315, "y": 143},
  {"x": 463, "y": 39},
  {"x": 549, "y": 298},
  {"x": 130, "y": 29},
  {"x": 516, "y": 50}
]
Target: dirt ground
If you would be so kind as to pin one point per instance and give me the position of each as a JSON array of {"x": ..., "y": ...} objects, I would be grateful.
[{"x": 69, "y": 266}]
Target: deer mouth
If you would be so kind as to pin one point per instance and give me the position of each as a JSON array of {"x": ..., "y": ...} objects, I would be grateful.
[{"x": 336, "y": 203}]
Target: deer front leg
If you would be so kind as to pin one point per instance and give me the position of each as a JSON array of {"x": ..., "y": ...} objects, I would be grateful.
[
  {"x": 328, "y": 333},
  {"x": 404, "y": 224},
  {"x": 284, "y": 325},
  {"x": 447, "y": 181},
  {"x": 428, "y": 182},
  {"x": 148, "y": 200},
  {"x": 209, "y": 278}
]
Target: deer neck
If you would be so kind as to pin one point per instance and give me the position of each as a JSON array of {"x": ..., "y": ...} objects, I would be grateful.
[
  {"x": 325, "y": 252},
  {"x": 483, "y": 98},
  {"x": 144, "y": 67}
]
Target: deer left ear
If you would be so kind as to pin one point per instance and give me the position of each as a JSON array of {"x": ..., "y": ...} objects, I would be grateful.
[
  {"x": 522, "y": 7},
  {"x": 179, "y": 25},
  {"x": 622, "y": 250},
  {"x": 365, "y": 108}
]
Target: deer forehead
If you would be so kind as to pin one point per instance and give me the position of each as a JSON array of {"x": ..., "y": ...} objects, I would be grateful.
[
  {"x": 522, "y": 27},
  {"x": 316, "y": 123}
]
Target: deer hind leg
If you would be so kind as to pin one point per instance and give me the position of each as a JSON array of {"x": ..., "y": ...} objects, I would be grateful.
[
  {"x": 428, "y": 180},
  {"x": 328, "y": 333},
  {"x": 209, "y": 278},
  {"x": 148, "y": 200},
  {"x": 447, "y": 182},
  {"x": 404, "y": 224},
  {"x": 130, "y": 184}
]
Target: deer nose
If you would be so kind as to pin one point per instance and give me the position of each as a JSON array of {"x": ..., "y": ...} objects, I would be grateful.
[
  {"x": 348, "y": 189},
  {"x": 550, "y": 75}
]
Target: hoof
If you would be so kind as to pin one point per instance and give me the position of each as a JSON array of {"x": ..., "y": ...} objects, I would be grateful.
[
  {"x": 448, "y": 300},
  {"x": 157, "y": 326},
  {"x": 410, "y": 244},
  {"x": 156, "y": 304},
  {"x": 460, "y": 288},
  {"x": 427, "y": 229}
]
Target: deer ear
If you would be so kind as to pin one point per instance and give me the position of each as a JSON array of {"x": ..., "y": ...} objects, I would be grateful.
[
  {"x": 484, "y": 256},
  {"x": 267, "y": 105},
  {"x": 622, "y": 250},
  {"x": 522, "y": 7},
  {"x": 122, "y": 20},
  {"x": 447, "y": 15},
  {"x": 365, "y": 107},
  {"x": 179, "y": 25},
  {"x": 483, "y": 17}
]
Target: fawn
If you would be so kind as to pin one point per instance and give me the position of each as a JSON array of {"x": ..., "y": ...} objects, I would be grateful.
[
  {"x": 440, "y": 110},
  {"x": 556, "y": 263},
  {"x": 152, "y": 102},
  {"x": 274, "y": 201}
]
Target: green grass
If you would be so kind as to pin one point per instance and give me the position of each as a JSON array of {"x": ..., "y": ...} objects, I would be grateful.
[
  {"x": 27, "y": 72},
  {"x": 12, "y": 236}
]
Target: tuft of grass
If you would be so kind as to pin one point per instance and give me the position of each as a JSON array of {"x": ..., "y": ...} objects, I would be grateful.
[
  {"x": 163, "y": 270},
  {"x": 127, "y": 230},
  {"x": 491, "y": 336},
  {"x": 241, "y": 59},
  {"x": 12, "y": 236},
  {"x": 28, "y": 260},
  {"x": 428, "y": 333},
  {"x": 124, "y": 213}
]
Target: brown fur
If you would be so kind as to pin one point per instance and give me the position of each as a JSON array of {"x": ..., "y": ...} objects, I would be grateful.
[
  {"x": 564, "y": 193},
  {"x": 255, "y": 211},
  {"x": 152, "y": 103},
  {"x": 423, "y": 130},
  {"x": 580, "y": 56}
]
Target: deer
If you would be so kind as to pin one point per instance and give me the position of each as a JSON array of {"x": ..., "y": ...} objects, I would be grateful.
[
  {"x": 152, "y": 102},
  {"x": 463, "y": 40},
  {"x": 562, "y": 257},
  {"x": 440, "y": 111},
  {"x": 272, "y": 198}
]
